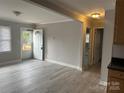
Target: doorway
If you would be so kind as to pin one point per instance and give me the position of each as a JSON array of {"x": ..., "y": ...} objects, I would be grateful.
[
  {"x": 86, "y": 50},
  {"x": 32, "y": 44},
  {"x": 38, "y": 44},
  {"x": 92, "y": 51},
  {"x": 98, "y": 43},
  {"x": 26, "y": 44}
]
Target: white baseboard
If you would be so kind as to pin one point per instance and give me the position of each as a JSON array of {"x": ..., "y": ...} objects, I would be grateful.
[
  {"x": 10, "y": 62},
  {"x": 103, "y": 83},
  {"x": 63, "y": 64}
]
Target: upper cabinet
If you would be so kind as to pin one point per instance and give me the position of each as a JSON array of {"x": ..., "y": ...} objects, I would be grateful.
[{"x": 119, "y": 23}]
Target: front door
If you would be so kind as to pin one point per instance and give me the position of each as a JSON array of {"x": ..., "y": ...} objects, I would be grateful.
[{"x": 38, "y": 44}]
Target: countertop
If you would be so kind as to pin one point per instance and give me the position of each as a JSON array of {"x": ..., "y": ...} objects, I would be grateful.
[{"x": 117, "y": 64}]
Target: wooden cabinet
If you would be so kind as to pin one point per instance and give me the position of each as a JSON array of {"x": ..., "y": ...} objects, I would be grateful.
[
  {"x": 119, "y": 23},
  {"x": 115, "y": 82}
]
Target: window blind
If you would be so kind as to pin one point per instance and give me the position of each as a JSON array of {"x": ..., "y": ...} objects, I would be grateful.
[{"x": 5, "y": 39}]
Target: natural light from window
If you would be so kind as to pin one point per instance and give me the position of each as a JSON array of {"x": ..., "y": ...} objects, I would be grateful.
[{"x": 5, "y": 39}]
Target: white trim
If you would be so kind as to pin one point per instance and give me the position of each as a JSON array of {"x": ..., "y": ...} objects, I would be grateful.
[
  {"x": 67, "y": 20},
  {"x": 63, "y": 64},
  {"x": 103, "y": 83},
  {"x": 10, "y": 62}
]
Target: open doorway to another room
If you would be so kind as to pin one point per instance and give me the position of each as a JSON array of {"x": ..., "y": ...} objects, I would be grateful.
[
  {"x": 98, "y": 42},
  {"x": 86, "y": 49},
  {"x": 92, "y": 51}
]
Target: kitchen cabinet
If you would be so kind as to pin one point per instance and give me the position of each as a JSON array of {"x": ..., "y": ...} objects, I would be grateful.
[
  {"x": 115, "y": 81},
  {"x": 119, "y": 23}
]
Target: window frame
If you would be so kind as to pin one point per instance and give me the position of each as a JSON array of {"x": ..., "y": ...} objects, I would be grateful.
[{"x": 9, "y": 27}]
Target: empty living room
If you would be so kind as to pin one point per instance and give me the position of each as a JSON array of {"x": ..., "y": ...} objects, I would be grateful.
[{"x": 61, "y": 46}]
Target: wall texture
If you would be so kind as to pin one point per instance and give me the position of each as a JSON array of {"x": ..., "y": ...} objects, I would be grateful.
[
  {"x": 63, "y": 42},
  {"x": 118, "y": 51},
  {"x": 107, "y": 43},
  {"x": 15, "y": 54}
]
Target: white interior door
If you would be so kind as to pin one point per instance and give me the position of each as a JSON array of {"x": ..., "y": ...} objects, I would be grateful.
[{"x": 38, "y": 44}]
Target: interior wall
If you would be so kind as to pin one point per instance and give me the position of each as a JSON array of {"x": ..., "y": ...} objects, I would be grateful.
[
  {"x": 107, "y": 43},
  {"x": 15, "y": 53},
  {"x": 118, "y": 51},
  {"x": 63, "y": 42}
]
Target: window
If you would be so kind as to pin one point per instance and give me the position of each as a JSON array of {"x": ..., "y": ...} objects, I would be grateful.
[
  {"x": 87, "y": 38},
  {"x": 5, "y": 39},
  {"x": 88, "y": 35}
]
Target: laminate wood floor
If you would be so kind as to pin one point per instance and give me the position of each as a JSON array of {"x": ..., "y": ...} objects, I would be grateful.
[{"x": 34, "y": 76}]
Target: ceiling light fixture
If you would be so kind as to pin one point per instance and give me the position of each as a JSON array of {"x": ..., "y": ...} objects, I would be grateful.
[
  {"x": 17, "y": 13},
  {"x": 95, "y": 15}
]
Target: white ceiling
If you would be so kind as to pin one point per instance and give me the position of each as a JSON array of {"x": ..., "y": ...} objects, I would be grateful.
[
  {"x": 35, "y": 14},
  {"x": 30, "y": 13},
  {"x": 87, "y": 7}
]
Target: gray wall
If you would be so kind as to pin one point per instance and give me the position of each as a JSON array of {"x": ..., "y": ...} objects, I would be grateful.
[
  {"x": 63, "y": 42},
  {"x": 107, "y": 43},
  {"x": 15, "y": 54},
  {"x": 118, "y": 51}
]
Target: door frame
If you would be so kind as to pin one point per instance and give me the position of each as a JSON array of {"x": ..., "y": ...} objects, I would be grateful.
[
  {"x": 94, "y": 41},
  {"x": 21, "y": 30},
  {"x": 84, "y": 44}
]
